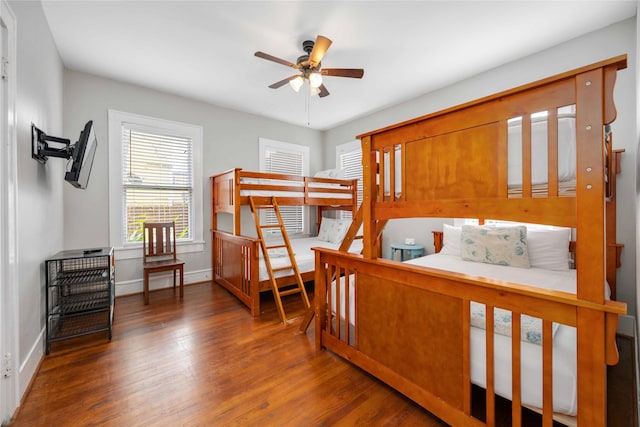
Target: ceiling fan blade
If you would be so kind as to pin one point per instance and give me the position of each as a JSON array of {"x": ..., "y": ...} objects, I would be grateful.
[
  {"x": 278, "y": 60},
  {"x": 282, "y": 82},
  {"x": 323, "y": 91},
  {"x": 355, "y": 73},
  {"x": 319, "y": 49}
]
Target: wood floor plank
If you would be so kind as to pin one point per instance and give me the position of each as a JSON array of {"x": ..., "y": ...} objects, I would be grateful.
[{"x": 205, "y": 361}]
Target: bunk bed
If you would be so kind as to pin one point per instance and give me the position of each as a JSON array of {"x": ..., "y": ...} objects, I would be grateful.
[
  {"x": 414, "y": 324},
  {"x": 236, "y": 258}
]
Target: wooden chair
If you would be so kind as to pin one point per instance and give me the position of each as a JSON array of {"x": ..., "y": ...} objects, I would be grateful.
[{"x": 159, "y": 245}]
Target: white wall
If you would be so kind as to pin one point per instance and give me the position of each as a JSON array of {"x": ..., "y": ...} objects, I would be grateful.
[
  {"x": 636, "y": 157},
  {"x": 40, "y": 203},
  {"x": 230, "y": 140},
  {"x": 600, "y": 45}
]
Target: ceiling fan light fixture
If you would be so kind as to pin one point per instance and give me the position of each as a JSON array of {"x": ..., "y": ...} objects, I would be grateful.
[
  {"x": 296, "y": 83},
  {"x": 315, "y": 79},
  {"x": 309, "y": 68}
]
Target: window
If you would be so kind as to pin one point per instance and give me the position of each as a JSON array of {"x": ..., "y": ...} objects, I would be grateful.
[
  {"x": 290, "y": 159},
  {"x": 349, "y": 159},
  {"x": 154, "y": 175}
]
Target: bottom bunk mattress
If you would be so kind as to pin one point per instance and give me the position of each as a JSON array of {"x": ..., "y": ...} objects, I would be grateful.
[
  {"x": 305, "y": 257},
  {"x": 564, "y": 338}
]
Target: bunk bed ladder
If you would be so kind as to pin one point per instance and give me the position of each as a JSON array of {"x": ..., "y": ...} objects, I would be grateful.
[
  {"x": 344, "y": 247},
  {"x": 299, "y": 286}
]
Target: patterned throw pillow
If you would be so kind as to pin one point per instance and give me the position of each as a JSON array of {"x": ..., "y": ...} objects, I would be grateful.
[
  {"x": 333, "y": 230},
  {"x": 495, "y": 245},
  {"x": 530, "y": 327}
]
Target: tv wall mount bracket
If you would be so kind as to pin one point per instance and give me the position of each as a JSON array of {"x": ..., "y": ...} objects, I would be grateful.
[{"x": 41, "y": 150}]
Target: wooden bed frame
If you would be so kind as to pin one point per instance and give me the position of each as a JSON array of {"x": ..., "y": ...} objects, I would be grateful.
[
  {"x": 235, "y": 257},
  {"x": 411, "y": 325}
]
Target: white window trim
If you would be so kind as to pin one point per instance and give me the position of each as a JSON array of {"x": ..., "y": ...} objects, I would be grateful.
[
  {"x": 265, "y": 143},
  {"x": 116, "y": 120}
]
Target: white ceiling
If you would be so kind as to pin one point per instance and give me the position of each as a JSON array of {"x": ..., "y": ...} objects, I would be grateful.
[{"x": 205, "y": 49}]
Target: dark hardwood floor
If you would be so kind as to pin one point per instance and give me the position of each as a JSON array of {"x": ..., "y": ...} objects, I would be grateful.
[{"x": 205, "y": 361}]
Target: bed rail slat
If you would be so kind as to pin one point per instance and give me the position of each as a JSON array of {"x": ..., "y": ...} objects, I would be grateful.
[
  {"x": 526, "y": 155},
  {"x": 547, "y": 374},
  {"x": 490, "y": 367},
  {"x": 516, "y": 390},
  {"x": 347, "y": 307},
  {"x": 392, "y": 173},
  {"x": 466, "y": 355},
  {"x": 381, "y": 174},
  {"x": 552, "y": 152}
]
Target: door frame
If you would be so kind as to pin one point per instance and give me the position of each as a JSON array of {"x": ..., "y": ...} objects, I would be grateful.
[{"x": 9, "y": 375}]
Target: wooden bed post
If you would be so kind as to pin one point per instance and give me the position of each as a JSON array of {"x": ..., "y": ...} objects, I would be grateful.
[
  {"x": 236, "y": 206},
  {"x": 214, "y": 215},
  {"x": 590, "y": 247},
  {"x": 368, "y": 198}
]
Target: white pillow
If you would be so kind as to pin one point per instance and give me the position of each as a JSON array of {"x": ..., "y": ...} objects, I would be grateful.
[
  {"x": 330, "y": 173},
  {"x": 333, "y": 230},
  {"x": 451, "y": 240},
  {"x": 549, "y": 248},
  {"x": 495, "y": 245}
]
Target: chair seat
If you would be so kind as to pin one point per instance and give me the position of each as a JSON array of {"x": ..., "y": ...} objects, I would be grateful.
[{"x": 168, "y": 264}]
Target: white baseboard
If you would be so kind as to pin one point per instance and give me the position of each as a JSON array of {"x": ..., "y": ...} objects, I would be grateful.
[
  {"x": 29, "y": 367},
  {"x": 160, "y": 281}
]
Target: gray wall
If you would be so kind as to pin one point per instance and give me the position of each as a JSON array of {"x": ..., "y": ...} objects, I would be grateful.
[
  {"x": 230, "y": 140},
  {"x": 603, "y": 44},
  {"x": 40, "y": 202}
]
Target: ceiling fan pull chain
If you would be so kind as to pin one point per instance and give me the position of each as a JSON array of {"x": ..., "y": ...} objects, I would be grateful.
[{"x": 308, "y": 107}]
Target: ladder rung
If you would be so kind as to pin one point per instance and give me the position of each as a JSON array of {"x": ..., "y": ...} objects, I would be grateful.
[
  {"x": 290, "y": 292},
  {"x": 282, "y": 268},
  {"x": 276, "y": 246},
  {"x": 264, "y": 206},
  {"x": 270, "y": 226}
]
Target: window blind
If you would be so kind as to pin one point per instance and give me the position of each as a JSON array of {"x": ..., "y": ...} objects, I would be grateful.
[
  {"x": 157, "y": 181},
  {"x": 290, "y": 163},
  {"x": 351, "y": 164}
]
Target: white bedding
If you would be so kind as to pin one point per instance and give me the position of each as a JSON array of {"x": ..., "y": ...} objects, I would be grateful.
[
  {"x": 305, "y": 257},
  {"x": 564, "y": 347},
  {"x": 564, "y": 341}
]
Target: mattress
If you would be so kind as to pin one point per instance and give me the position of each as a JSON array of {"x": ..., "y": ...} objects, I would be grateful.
[
  {"x": 305, "y": 257},
  {"x": 564, "y": 347},
  {"x": 564, "y": 341}
]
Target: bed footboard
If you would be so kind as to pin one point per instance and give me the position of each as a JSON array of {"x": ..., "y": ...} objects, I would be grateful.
[
  {"x": 410, "y": 327},
  {"x": 235, "y": 267}
]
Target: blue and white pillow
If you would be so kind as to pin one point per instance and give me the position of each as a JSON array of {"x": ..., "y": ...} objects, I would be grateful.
[
  {"x": 495, "y": 245},
  {"x": 530, "y": 327}
]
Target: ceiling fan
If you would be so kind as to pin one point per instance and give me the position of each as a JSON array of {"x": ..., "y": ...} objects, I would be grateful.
[{"x": 310, "y": 67}]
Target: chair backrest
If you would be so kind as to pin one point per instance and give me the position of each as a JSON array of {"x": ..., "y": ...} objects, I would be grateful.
[{"x": 159, "y": 240}]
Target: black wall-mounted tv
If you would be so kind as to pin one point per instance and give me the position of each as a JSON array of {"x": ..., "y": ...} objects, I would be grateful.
[{"x": 83, "y": 153}]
